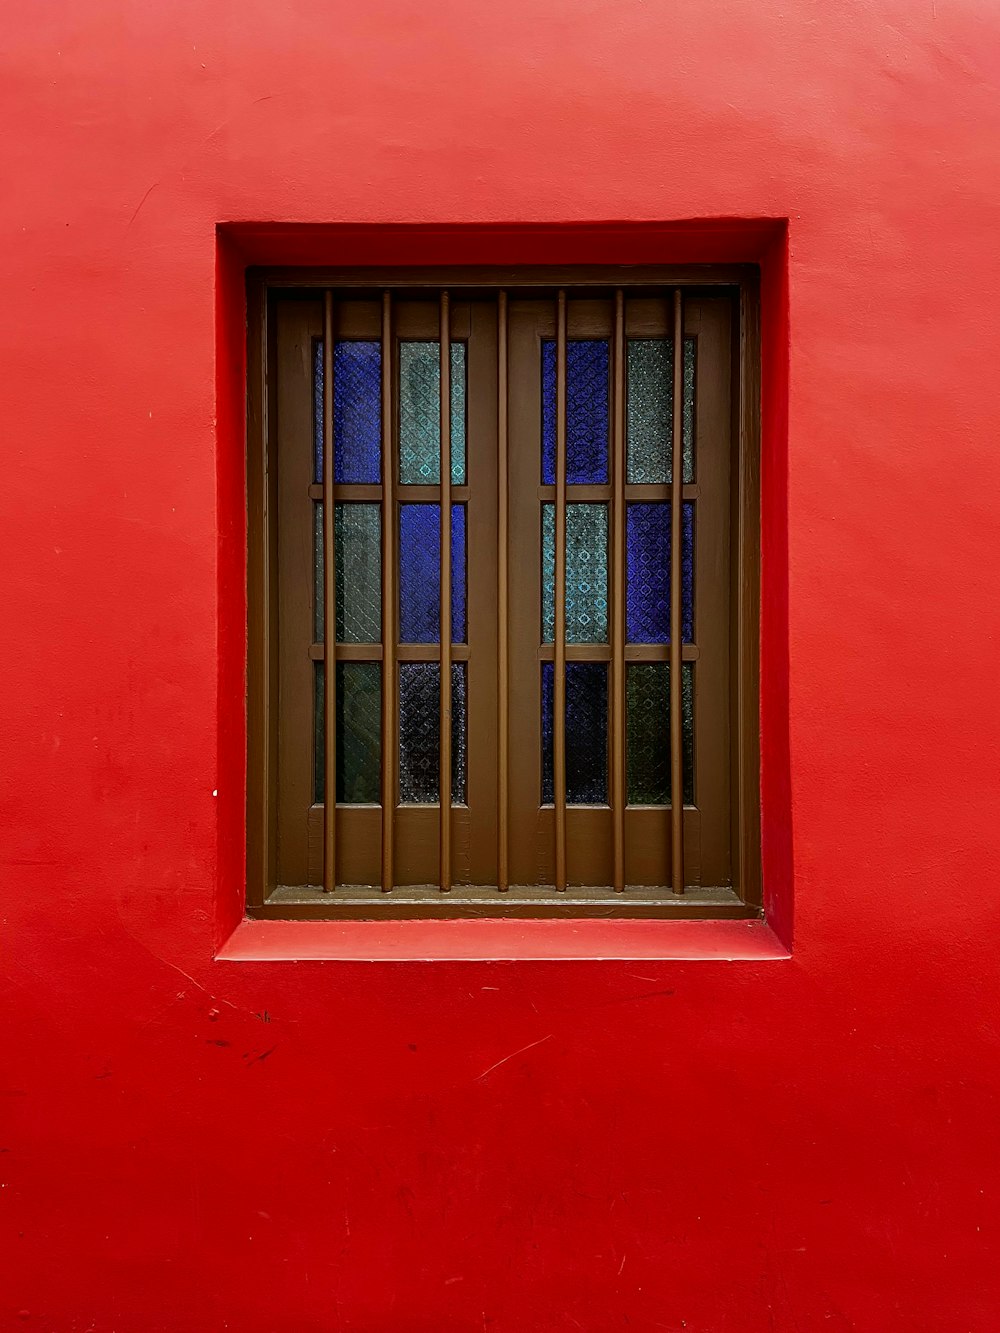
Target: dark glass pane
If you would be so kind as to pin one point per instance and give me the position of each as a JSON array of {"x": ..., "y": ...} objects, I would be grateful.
[
  {"x": 586, "y": 733},
  {"x": 647, "y": 732},
  {"x": 647, "y": 598},
  {"x": 420, "y": 413},
  {"x": 650, "y": 406},
  {"x": 358, "y": 539},
  {"x": 357, "y": 411},
  {"x": 420, "y": 573},
  {"x": 587, "y": 413},
  {"x": 420, "y": 730},
  {"x": 586, "y": 573},
  {"x": 359, "y": 731}
]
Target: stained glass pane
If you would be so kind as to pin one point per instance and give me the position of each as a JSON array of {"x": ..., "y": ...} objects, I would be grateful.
[
  {"x": 587, "y": 414},
  {"x": 586, "y": 573},
  {"x": 420, "y": 731},
  {"x": 358, "y": 539},
  {"x": 586, "y": 733},
  {"x": 647, "y": 732},
  {"x": 359, "y": 731},
  {"x": 420, "y": 573},
  {"x": 357, "y": 411},
  {"x": 420, "y": 413},
  {"x": 650, "y": 406},
  {"x": 647, "y": 598}
]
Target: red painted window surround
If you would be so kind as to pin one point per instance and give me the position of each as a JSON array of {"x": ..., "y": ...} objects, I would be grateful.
[{"x": 763, "y": 241}]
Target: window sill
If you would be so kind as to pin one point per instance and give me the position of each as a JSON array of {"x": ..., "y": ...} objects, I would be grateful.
[{"x": 469, "y": 939}]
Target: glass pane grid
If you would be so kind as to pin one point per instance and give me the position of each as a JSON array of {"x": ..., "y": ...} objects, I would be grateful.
[
  {"x": 647, "y": 594},
  {"x": 359, "y": 733},
  {"x": 586, "y": 733},
  {"x": 357, "y": 411}
]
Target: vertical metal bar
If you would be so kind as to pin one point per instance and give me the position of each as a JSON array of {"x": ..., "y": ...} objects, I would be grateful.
[
  {"x": 389, "y": 744},
  {"x": 329, "y": 612},
  {"x": 559, "y": 646},
  {"x": 503, "y": 738},
  {"x": 676, "y": 528},
  {"x": 618, "y": 575},
  {"x": 444, "y": 788}
]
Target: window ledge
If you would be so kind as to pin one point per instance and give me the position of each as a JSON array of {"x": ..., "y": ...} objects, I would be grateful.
[{"x": 488, "y": 940}]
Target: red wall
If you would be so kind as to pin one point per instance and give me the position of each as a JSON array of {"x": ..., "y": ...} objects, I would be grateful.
[{"x": 800, "y": 1144}]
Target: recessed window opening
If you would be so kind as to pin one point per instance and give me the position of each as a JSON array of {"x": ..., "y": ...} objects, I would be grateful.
[{"x": 503, "y": 564}]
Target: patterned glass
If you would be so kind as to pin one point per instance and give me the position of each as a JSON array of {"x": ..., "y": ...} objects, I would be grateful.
[
  {"x": 358, "y": 538},
  {"x": 420, "y": 573},
  {"x": 420, "y": 731},
  {"x": 586, "y": 573},
  {"x": 647, "y": 732},
  {"x": 586, "y": 733},
  {"x": 649, "y": 411},
  {"x": 647, "y": 597},
  {"x": 357, "y": 411},
  {"x": 359, "y": 733},
  {"x": 420, "y": 413},
  {"x": 587, "y": 412}
]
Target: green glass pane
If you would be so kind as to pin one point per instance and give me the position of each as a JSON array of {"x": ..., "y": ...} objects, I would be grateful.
[
  {"x": 358, "y": 538},
  {"x": 586, "y": 573},
  {"x": 420, "y": 413},
  {"x": 647, "y": 732},
  {"x": 650, "y": 407},
  {"x": 359, "y": 731}
]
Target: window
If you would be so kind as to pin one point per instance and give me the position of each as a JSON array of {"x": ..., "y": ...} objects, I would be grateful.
[{"x": 572, "y": 458}]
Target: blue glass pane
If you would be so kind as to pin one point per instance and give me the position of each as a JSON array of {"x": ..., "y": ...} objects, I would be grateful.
[
  {"x": 420, "y": 573},
  {"x": 650, "y": 407},
  {"x": 647, "y": 599},
  {"x": 586, "y": 573},
  {"x": 420, "y": 731},
  {"x": 420, "y": 413},
  {"x": 586, "y": 733},
  {"x": 357, "y": 411},
  {"x": 587, "y": 413},
  {"x": 647, "y": 732},
  {"x": 359, "y": 730}
]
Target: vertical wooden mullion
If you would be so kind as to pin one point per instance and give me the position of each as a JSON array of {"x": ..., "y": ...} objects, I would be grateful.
[
  {"x": 503, "y": 740},
  {"x": 389, "y": 743},
  {"x": 618, "y": 575},
  {"x": 444, "y": 787},
  {"x": 329, "y": 612},
  {"x": 676, "y": 619},
  {"x": 559, "y": 645}
]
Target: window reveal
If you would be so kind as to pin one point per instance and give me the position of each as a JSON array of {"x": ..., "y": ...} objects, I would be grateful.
[{"x": 581, "y": 619}]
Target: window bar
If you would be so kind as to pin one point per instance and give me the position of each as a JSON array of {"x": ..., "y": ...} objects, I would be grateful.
[
  {"x": 503, "y": 868},
  {"x": 559, "y": 646},
  {"x": 618, "y": 575},
  {"x": 389, "y": 752},
  {"x": 444, "y": 783},
  {"x": 329, "y": 612},
  {"x": 676, "y": 526}
]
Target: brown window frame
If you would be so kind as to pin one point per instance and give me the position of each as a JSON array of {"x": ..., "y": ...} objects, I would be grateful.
[{"x": 594, "y": 832}]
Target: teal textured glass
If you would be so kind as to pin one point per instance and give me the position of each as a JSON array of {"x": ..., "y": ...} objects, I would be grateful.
[
  {"x": 359, "y": 733},
  {"x": 420, "y": 413},
  {"x": 586, "y": 573},
  {"x": 650, "y": 408},
  {"x": 647, "y": 732},
  {"x": 358, "y": 537}
]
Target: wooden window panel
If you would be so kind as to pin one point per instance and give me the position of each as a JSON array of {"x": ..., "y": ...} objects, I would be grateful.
[{"x": 286, "y": 849}]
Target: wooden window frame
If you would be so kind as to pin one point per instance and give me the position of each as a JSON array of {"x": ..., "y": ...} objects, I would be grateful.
[{"x": 264, "y": 900}]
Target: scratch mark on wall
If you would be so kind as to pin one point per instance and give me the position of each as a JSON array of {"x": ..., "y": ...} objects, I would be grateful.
[{"x": 513, "y": 1054}]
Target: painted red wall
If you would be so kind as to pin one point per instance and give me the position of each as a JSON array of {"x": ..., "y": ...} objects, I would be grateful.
[{"x": 721, "y": 1147}]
